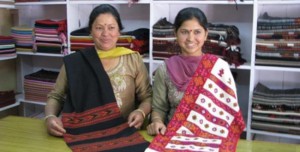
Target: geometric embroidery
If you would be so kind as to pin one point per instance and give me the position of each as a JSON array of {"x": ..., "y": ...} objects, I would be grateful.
[
  {"x": 192, "y": 148},
  {"x": 197, "y": 139},
  {"x": 185, "y": 131},
  {"x": 226, "y": 98},
  {"x": 214, "y": 109},
  {"x": 205, "y": 125},
  {"x": 223, "y": 74}
]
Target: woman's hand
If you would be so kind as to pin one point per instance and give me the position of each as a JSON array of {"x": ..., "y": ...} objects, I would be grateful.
[
  {"x": 156, "y": 127},
  {"x": 136, "y": 119},
  {"x": 55, "y": 127}
]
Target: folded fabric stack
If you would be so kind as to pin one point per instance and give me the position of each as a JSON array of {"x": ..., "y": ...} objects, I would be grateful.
[
  {"x": 7, "y": 46},
  {"x": 23, "y": 37},
  {"x": 50, "y": 36},
  {"x": 137, "y": 40},
  {"x": 164, "y": 40},
  {"x": 223, "y": 41},
  {"x": 37, "y": 85},
  {"x": 125, "y": 41},
  {"x": 80, "y": 39},
  {"x": 7, "y": 98},
  {"x": 278, "y": 41},
  {"x": 276, "y": 110}
]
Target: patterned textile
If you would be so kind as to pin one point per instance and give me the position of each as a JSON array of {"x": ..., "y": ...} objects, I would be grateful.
[
  {"x": 164, "y": 40},
  {"x": 276, "y": 62},
  {"x": 140, "y": 42},
  {"x": 223, "y": 41},
  {"x": 208, "y": 117},
  {"x": 164, "y": 48},
  {"x": 276, "y": 109},
  {"x": 278, "y": 41},
  {"x": 266, "y": 22},
  {"x": 90, "y": 115},
  {"x": 278, "y": 49}
]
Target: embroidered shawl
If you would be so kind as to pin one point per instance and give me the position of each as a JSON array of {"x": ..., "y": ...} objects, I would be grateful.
[
  {"x": 208, "y": 118},
  {"x": 90, "y": 115}
]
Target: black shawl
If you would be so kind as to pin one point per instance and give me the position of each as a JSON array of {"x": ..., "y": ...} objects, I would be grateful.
[{"x": 90, "y": 115}]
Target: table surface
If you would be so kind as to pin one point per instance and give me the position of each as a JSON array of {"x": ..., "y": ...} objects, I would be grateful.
[{"x": 29, "y": 135}]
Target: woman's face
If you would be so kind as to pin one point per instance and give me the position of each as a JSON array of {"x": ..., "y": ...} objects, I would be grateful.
[
  {"x": 105, "y": 32},
  {"x": 191, "y": 37}
]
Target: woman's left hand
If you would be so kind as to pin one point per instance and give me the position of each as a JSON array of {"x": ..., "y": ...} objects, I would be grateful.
[{"x": 136, "y": 119}]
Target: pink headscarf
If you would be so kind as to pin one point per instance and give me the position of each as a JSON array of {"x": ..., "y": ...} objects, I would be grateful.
[{"x": 181, "y": 69}]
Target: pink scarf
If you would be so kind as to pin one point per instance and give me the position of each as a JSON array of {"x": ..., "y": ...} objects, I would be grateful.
[{"x": 181, "y": 69}]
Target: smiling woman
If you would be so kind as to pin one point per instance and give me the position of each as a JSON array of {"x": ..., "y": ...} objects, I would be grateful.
[
  {"x": 105, "y": 26},
  {"x": 195, "y": 106},
  {"x": 104, "y": 92}
]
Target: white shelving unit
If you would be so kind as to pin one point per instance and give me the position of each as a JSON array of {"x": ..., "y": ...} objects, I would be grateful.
[
  {"x": 7, "y": 4},
  {"x": 29, "y": 63},
  {"x": 274, "y": 77},
  {"x": 147, "y": 12}
]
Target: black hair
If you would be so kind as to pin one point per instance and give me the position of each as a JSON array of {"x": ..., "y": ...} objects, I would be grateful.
[
  {"x": 105, "y": 9},
  {"x": 188, "y": 14}
]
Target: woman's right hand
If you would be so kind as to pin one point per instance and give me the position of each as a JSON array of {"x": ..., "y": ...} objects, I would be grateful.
[
  {"x": 55, "y": 126},
  {"x": 156, "y": 127}
]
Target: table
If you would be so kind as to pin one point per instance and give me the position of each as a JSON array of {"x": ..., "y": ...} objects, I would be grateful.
[{"x": 21, "y": 134}]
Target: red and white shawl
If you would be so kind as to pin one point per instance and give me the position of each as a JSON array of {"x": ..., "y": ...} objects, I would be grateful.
[{"x": 208, "y": 118}]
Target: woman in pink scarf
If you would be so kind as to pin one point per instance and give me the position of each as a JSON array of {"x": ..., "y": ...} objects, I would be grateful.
[{"x": 194, "y": 94}]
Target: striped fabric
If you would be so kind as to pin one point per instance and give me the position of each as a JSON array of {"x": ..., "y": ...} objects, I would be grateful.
[
  {"x": 7, "y": 46},
  {"x": 276, "y": 110},
  {"x": 134, "y": 40},
  {"x": 278, "y": 41},
  {"x": 224, "y": 41},
  {"x": 164, "y": 40},
  {"x": 50, "y": 36},
  {"x": 37, "y": 85}
]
